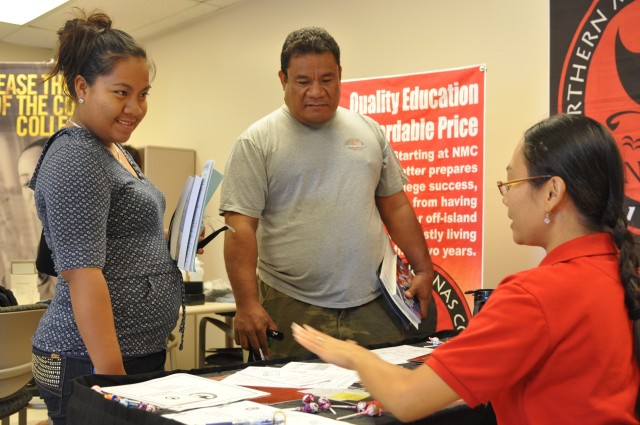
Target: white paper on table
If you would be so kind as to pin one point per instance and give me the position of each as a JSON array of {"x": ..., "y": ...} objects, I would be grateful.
[
  {"x": 267, "y": 377},
  {"x": 248, "y": 411},
  {"x": 316, "y": 367},
  {"x": 338, "y": 377},
  {"x": 401, "y": 354},
  {"x": 294, "y": 375},
  {"x": 182, "y": 391},
  {"x": 350, "y": 395}
]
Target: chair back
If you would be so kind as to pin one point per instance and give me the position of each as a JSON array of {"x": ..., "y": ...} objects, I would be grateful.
[{"x": 17, "y": 326}]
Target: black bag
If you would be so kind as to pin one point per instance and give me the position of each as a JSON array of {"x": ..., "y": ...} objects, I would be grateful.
[
  {"x": 7, "y": 299},
  {"x": 44, "y": 260}
]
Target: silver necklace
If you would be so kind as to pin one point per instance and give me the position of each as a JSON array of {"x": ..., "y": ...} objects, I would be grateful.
[
  {"x": 74, "y": 123},
  {"x": 116, "y": 156}
]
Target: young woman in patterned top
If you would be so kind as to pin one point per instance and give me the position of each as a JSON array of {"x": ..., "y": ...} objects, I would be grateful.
[{"x": 119, "y": 292}]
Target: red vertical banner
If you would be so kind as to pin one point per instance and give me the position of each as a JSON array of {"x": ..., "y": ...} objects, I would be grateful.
[{"x": 435, "y": 124}]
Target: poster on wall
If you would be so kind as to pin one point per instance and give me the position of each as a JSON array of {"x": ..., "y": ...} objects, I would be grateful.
[
  {"x": 435, "y": 124},
  {"x": 30, "y": 111},
  {"x": 595, "y": 71}
]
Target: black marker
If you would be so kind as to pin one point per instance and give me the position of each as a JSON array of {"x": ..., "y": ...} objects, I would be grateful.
[{"x": 275, "y": 334}]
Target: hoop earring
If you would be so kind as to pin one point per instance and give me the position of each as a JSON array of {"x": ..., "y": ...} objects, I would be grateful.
[
  {"x": 547, "y": 218},
  {"x": 81, "y": 101}
]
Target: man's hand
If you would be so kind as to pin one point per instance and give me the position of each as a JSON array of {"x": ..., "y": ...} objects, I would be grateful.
[
  {"x": 420, "y": 289},
  {"x": 250, "y": 328}
]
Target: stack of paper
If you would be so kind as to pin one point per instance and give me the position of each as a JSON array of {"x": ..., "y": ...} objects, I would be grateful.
[
  {"x": 182, "y": 391},
  {"x": 402, "y": 353},
  {"x": 248, "y": 412},
  {"x": 186, "y": 223},
  {"x": 294, "y": 375}
]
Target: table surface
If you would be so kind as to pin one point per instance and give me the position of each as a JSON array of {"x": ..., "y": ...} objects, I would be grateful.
[
  {"x": 211, "y": 307},
  {"x": 456, "y": 414}
]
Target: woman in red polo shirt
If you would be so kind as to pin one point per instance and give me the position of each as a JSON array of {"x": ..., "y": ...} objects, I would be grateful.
[{"x": 553, "y": 344}]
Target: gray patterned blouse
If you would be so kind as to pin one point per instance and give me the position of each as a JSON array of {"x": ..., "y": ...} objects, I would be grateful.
[{"x": 96, "y": 214}]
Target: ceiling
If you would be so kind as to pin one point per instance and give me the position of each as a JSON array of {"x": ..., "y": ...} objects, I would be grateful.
[{"x": 141, "y": 19}]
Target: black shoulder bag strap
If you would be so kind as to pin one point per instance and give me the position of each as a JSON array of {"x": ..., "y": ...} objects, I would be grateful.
[{"x": 44, "y": 259}]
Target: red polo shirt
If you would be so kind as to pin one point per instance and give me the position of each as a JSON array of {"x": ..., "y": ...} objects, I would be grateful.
[{"x": 552, "y": 345}]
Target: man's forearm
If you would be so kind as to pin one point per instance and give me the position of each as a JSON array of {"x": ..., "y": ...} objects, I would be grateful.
[{"x": 241, "y": 259}]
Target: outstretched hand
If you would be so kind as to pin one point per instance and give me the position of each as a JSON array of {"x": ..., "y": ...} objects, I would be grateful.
[
  {"x": 388, "y": 383},
  {"x": 329, "y": 349}
]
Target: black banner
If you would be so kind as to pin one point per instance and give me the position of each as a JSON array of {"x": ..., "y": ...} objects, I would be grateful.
[{"x": 595, "y": 71}]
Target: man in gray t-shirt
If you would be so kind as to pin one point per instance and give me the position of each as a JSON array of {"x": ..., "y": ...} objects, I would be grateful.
[{"x": 308, "y": 190}]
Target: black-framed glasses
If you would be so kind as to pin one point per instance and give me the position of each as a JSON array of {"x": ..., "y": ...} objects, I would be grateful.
[{"x": 504, "y": 187}]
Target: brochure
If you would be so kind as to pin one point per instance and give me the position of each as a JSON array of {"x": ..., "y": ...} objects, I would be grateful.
[
  {"x": 187, "y": 221},
  {"x": 181, "y": 391},
  {"x": 395, "y": 278}
]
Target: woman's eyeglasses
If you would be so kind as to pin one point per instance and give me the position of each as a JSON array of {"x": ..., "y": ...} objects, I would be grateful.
[{"x": 504, "y": 187}]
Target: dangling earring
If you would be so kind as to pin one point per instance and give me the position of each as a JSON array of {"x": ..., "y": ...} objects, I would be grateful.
[
  {"x": 547, "y": 218},
  {"x": 81, "y": 101}
]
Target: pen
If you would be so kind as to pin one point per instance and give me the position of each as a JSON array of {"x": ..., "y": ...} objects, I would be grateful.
[
  {"x": 124, "y": 401},
  {"x": 266, "y": 421}
]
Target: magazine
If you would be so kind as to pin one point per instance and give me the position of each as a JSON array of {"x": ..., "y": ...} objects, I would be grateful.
[{"x": 395, "y": 278}]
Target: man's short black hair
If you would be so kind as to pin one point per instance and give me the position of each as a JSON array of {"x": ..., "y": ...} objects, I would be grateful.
[{"x": 308, "y": 40}]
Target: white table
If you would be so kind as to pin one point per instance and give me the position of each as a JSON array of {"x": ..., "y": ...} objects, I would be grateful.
[{"x": 188, "y": 357}]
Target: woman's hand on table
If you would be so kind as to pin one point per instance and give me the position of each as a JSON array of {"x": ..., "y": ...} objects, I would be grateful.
[{"x": 331, "y": 350}]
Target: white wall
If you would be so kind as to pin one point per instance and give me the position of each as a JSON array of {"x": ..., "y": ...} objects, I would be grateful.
[
  {"x": 15, "y": 53},
  {"x": 219, "y": 75}
]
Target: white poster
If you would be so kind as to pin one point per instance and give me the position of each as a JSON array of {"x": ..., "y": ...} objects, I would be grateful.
[{"x": 31, "y": 110}]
